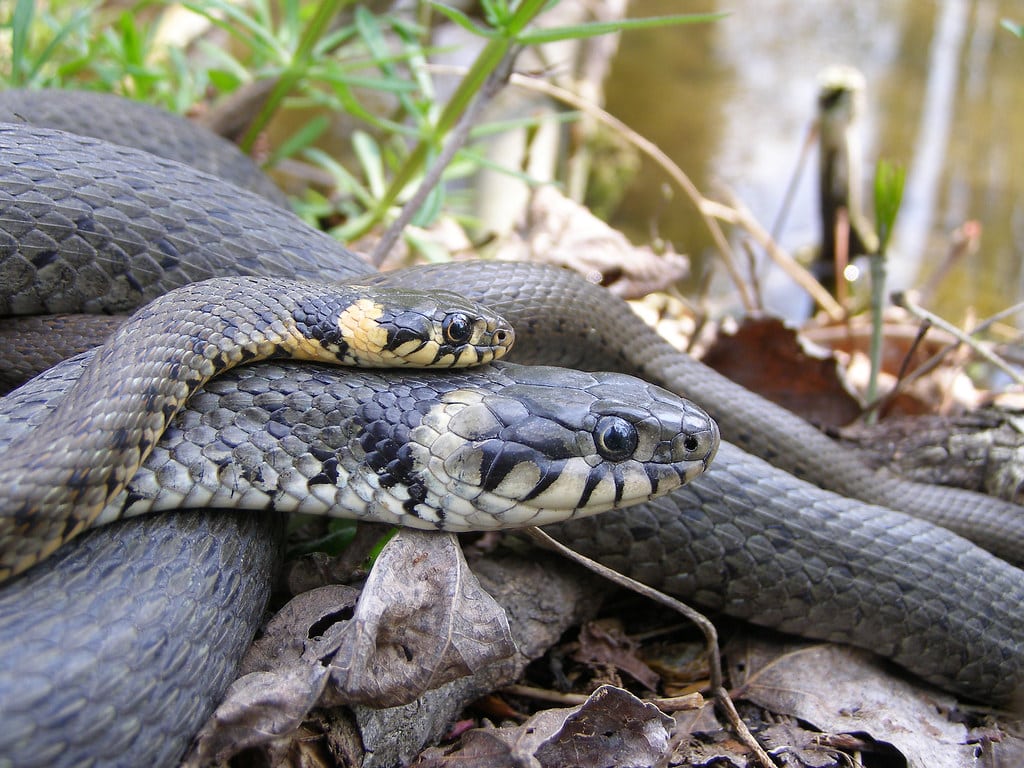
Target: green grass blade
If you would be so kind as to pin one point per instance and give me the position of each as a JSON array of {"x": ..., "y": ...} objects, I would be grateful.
[
  {"x": 595, "y": 28},
  {"x": 456, "y": 16},
  {"x": 30, "y": 77},
  {"x": 21, "y": 28},
  {"x": 369, "y": 156},
  {"x": 1012, "y": 27},
  {"x": 299, "y": 141},
  {"x": 295, "y": 71}
]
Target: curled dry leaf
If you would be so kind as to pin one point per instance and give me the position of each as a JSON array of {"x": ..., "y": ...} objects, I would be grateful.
[
  {"x": 606, "y": 642},
  {"x": 844, "y": 690},
  {"x": 543, "y": 596},
  {"x": 562, "y": 232},
  {"x": 423, "y": 619},
  {"x": 767, "y": 357},
  {"x": 296, "y": 633},
  {"x": 257, "y": 710},
  {"x": 280, "y": 679},
  {"x": 612, "y": 727}
]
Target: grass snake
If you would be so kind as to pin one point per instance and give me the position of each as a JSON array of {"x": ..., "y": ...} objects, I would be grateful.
[
  {"x": 747, "y": 537},
  {"x": 86, "y": 451}
]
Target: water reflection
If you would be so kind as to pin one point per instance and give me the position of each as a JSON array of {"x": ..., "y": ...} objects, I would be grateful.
[{"x": 731, "y": 102}]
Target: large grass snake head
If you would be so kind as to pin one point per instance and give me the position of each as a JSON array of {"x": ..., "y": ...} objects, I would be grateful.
[{"x": 495, "y": 447}]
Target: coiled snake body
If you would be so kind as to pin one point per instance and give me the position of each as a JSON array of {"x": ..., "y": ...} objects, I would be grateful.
[
  {"x": 746, "y": 536},
  {"x": 88, "y": 449}
]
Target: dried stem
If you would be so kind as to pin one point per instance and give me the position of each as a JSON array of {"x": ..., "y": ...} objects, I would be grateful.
[
  {"x": 901, "y": 299},
  {"x": 717, "y": 688}
]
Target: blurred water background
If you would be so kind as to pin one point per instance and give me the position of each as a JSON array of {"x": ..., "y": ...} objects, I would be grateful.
[{"x": 731, "y": 102}]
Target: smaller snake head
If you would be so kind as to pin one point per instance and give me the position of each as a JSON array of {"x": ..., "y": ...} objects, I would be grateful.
[
  {"x": 419, "y": 329},
  {"x": 518, "y": 446}
]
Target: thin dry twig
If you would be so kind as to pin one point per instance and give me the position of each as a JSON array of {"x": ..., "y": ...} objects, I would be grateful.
[
  {"x": 645, "y": 146},
  {"x": 901, "y": 299},
  {"x": 717, "y": 687},
  {"x": 737, "y": 214},
  {"x": 904, "y": 380},
  {"x": 685, "y": 703},
  {"x": 545, "y": 694},
  {"x": 455, "y": 141}
]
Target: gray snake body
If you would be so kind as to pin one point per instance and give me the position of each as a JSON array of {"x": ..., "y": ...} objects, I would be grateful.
[
  {"x": 58, "y": 482},
  {"x": 751, "y": 539}
]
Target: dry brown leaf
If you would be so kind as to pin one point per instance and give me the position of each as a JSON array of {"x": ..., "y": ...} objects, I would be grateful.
[
  {"x": 297, "y": 631},
  {"x": 422, "y": 620},
  {"x": 844, "y": 690},
  {"x": 767, "y": 357},
  {"x": 612, "y": 727},
  {"x": 257, "y": 710},
  {"x": 562, "y": 232},
  {"x": 280, "y": 679},
  {"x": 605, "y": 642}
]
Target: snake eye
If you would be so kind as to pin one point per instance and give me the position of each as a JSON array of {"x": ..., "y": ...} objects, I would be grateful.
[
  {"x": 458, "y": 329},
  {"x": 616, "y": 438}
]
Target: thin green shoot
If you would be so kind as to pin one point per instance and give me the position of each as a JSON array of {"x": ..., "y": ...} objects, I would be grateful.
[{"x": 889, "y": 181}]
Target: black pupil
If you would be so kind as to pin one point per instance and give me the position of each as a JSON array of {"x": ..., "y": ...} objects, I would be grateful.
[
  {"x": 458, "y": 328},
  {"x": 616, "y": 438}
]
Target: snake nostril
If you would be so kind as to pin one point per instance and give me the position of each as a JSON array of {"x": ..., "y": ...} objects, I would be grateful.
[{"x": 691, "y": 443}]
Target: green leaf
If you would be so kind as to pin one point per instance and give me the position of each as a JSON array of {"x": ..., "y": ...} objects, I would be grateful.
[
  {"x": 300, "y": 140},
  {"x": 458, "y": 17},
  {"x": 595, "y": 28},
  {"x": 889, "y": 180},
  {"x": 21, "y": 28},
  {"x": 352, "y": 106},
  {"x": 497, "y": 13},
  {"x": 530, "y": 121},
  {"x": 431, "y": 250},
  {"x": 223, "y": 80},
  {"x": 338, "y": 536},
  {"x": 343, "y": 179},
  {"x": 368, "y": 154},
  {"x": 20, "y": 38},
  {"x": 333, "y": 40},
  {"x": 486, "y": 162},
  {"x": 236, "y": 22},
  {"x": 353, "y": 228},
  {"x": 1012, "y": 27},
  {"x": 431, "y": 208}
]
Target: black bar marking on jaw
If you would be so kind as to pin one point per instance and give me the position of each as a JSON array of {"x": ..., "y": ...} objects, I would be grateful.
[
  {"x": 498, "y": 458},
  {"x": 620, "y": 484},
  {"x": 547, "y": 479},
  {"x": 594, "y": 478}
]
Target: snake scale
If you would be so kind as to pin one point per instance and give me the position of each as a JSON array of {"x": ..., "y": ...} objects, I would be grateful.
[{"x": 746, "y": 537}]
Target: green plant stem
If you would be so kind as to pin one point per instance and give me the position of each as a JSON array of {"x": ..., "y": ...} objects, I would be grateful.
[
  {"x": 489, "y": 59},
  {"x": 878, "y": 274},
  {"x": 312, "y": 32},
  {"x": 456, "y": 140}
]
